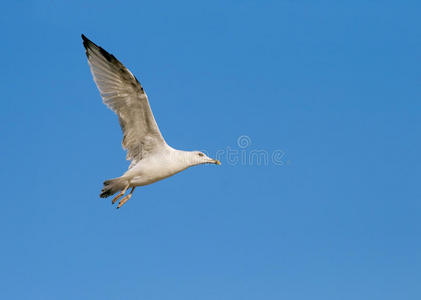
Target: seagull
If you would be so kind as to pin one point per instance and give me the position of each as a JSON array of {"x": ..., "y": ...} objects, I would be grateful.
[{"x": 151, "y": 158}]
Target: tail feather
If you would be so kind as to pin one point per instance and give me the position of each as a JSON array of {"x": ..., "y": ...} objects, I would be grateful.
[{"x": 112, "y": 186}]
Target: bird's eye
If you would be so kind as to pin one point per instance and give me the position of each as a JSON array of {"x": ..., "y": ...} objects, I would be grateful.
[{"x": 201, "y": 154}]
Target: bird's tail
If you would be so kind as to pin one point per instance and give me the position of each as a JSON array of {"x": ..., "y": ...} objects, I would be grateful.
[{"x": 113, "y": 186}]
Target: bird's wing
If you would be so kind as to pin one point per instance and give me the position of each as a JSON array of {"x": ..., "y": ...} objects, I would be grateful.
[{"x": 123, "y": 94}]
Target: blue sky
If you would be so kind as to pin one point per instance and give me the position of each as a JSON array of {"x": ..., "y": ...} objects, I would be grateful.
[{"x": 334, "y": 85}]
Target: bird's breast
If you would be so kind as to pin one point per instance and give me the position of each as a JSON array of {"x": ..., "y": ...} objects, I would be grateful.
[{"x": 151, "y": 170}]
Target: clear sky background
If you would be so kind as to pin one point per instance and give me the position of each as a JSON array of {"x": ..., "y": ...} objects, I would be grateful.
[{"x": 334, "y": 85}]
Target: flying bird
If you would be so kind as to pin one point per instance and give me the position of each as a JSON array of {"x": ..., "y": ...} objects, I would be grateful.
[{"x": 152, "y": 159}]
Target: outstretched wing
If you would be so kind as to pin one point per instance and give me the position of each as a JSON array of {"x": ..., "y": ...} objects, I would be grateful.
[{"x": 123, "y": 94}]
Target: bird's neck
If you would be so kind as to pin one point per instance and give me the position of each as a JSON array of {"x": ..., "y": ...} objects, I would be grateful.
[{"x": 183, "y": 159}]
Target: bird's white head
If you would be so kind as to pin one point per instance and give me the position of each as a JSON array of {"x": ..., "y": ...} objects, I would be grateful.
[{"x": 198, "y": 158}]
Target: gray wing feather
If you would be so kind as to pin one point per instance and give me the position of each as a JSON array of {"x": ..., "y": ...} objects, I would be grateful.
[{"x": 123, "y": 94}]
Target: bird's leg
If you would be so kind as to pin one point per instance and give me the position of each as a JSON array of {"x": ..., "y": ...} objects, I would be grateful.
[
  {"x": 123, "y": 191},
  {"x": 126, "y": 198}
]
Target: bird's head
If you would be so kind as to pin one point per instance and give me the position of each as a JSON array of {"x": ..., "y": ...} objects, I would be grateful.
[{"x": 199, "y": 158}]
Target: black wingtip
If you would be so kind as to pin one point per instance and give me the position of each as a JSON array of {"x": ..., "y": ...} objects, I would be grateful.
[
  {"x": 87, "y": 43},
  {"x": 84, "y": 38}
]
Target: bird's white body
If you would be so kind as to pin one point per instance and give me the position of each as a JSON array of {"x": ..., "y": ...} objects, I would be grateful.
[{"x": 157, "y": 166}]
